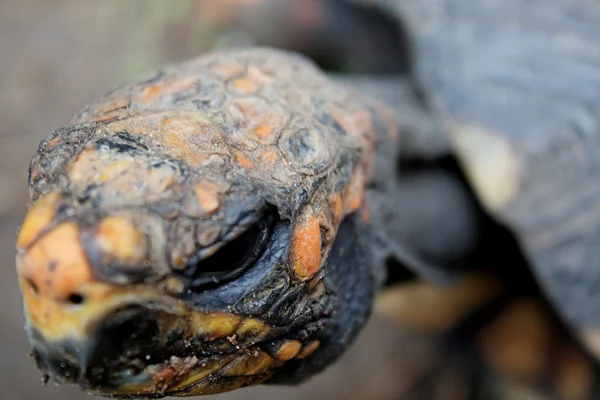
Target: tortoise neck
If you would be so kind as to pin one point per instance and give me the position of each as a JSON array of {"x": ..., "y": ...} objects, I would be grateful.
[{"x": 352, "y": 281}]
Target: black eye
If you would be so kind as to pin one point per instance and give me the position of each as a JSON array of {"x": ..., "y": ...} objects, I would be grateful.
[{"x": 232, "y": 259}]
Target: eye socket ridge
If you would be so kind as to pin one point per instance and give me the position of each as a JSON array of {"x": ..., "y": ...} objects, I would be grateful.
[{"x": 231, "y": 260}]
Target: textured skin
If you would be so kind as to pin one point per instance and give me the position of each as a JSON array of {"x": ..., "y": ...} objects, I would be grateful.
[
  {"x": 221, "y": 115},
  {"x": 163, "y": 172},
  {"x": 516, "y": 85},
  {"x": 213, "y": 132},
  {"x": 519, "y": 82}
]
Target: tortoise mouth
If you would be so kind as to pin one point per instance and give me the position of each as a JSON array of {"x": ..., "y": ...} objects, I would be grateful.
[{"x": 141, "y": 351}]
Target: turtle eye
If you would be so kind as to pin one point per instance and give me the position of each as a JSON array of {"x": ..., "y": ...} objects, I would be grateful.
[{"x": 232, "y": 259}]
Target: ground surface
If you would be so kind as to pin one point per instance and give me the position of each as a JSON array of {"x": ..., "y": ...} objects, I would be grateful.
[{"x": 56, "y": 55}]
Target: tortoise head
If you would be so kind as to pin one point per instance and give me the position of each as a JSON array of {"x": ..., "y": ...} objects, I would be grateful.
[{"x": 154, "y": 264}]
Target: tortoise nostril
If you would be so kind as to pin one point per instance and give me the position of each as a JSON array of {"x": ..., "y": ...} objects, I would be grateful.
[
  {"x": 76, "y": 298},
  {"x": 32, "y": 286}
]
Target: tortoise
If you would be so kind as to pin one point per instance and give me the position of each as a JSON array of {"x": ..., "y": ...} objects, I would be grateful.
[{"x": 227, "y": 221}]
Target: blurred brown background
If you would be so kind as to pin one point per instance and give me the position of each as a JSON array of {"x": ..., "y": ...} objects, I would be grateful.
[{"x": 57, "y": 55}]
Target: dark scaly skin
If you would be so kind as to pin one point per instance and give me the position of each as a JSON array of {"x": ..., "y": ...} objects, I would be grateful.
[
  {"x": 132, "y": 199},
  {"x": 448, "y": 38}
]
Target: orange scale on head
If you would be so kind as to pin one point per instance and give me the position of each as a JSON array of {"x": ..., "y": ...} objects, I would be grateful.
[
  {"x": 308, "y": 349},
  {"x": 120, "y": 241},
  {"x": 208, "y": 235},
  {"x": 189, "y": 137},
  {"x": 305, "y": 251},
  {"x": 35, "y": 173},
  {"x": 52, "y": 143},
  {"x": 259, "y": 117},
  {"x": 158, "y": 180},
  {"x": 114, "y": 105},
  {"x": 207, "y": 196},
  {"x": 176, "y": 133},
  {"x": 56, "y": 264},
  {"x": 173, "y": 84},
  {"x": 243, "y": 161},
  {"x": 288, "y": 350},
  {"x": 114, "y": 169},
  {"x": 150, "y": 92},
  {"x": 270, "y": 156},
  {"x": 39, "y": 218},
  {"x": 227, "y": 69},
  {"x": 252, "y": 82},
  {"x": 103, "y": 118},
  {"x": 214, "y": 326},
  {"x": 245, "y": 85},
  {"x": 264, "y": 131},
  {"x": 86, "y": 166},
  {"x": 135, "y": 126}
]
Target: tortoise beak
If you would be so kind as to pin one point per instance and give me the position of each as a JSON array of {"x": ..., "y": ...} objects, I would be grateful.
[
  {"x": 88, "y": 332},
  {"x": 104, "y": 343},
  {"x": 79, "y": 326},
  {"x": 104, "y": 358},
  {"x": 131, "y": 340},
  {"x": 134, "y": 341}
]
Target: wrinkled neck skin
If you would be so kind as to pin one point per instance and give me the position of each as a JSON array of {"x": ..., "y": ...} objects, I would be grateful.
[
  {"x": 357, "y": 266},
  {"x": 353, "y": 281},
  {"x": 424, "y": 217}
]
